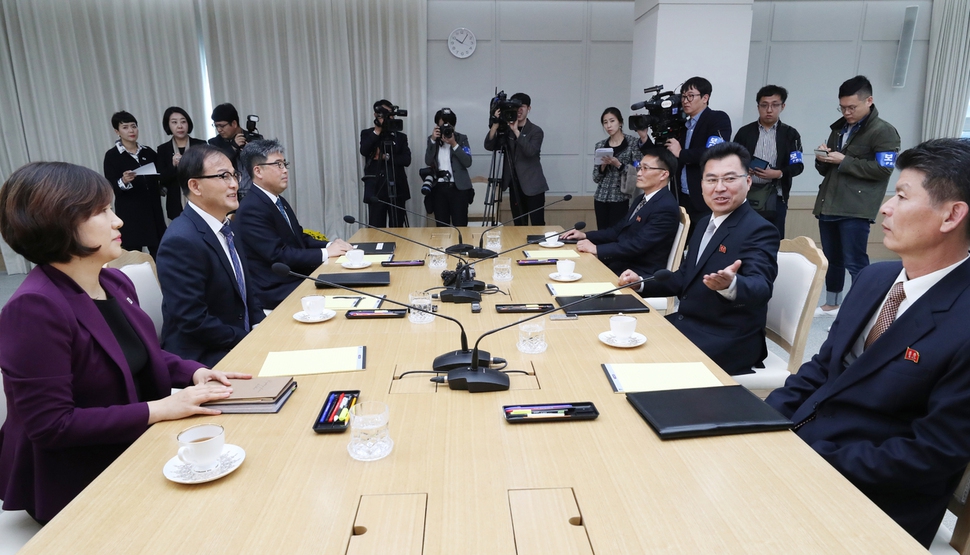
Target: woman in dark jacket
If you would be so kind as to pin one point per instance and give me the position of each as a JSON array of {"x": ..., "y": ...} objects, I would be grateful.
[{"x": 177, "y": 123}]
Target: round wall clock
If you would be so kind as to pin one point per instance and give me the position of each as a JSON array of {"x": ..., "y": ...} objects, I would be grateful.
[{"x": 461, "y": 42}]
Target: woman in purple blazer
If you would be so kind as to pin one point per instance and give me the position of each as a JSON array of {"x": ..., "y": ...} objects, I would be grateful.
[{"x": 83, "y": 373}]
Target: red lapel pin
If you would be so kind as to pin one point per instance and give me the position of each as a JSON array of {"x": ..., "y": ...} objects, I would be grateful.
[
  {"x": 638, "y": 218},
  {"x": 722, "y": 249},
  {"x": 912, "y": 354}
]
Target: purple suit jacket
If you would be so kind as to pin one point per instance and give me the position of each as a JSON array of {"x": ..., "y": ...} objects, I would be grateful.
[{"x": 71, "y": 400}]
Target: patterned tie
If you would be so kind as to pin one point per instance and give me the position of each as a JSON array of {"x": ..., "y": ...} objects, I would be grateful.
[
  {"x": 887, "y": 315},
  {"x": 711, "y": 228},
  {"x": 237, "y": 268},
  {"x": 279, "y": 204},
  {"x": 643, "y": 202},
  {"x": 683, "y": 173}
]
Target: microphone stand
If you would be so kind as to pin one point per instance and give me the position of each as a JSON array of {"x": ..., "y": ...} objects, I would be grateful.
[
  {"x": 476, "y": 379},
  {"x": 460, "y": 248},
  {"x": 442, "y": 363},
  {"x": 482, "y": 252},
  {"x": 579, "y": 226}
]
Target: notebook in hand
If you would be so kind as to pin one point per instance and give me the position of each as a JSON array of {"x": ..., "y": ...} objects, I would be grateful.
[
  {"x": 706, "y": 411},
  {"x": 610, "y": 304},
  {"x": 356, "y": 279}
]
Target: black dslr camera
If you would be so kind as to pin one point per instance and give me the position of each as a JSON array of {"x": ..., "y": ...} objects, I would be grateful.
[
  {"x": 432, "y": 178},
  {"x": 508, "y": 110},
  {"x": 390, "y": 124},
  {"x": 664, "y": 118},
  {"x": 251, "y": 133},
  {"x": 446, "y": 130}
]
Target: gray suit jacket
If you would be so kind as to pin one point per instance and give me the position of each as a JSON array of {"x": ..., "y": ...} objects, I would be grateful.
[
  {"x": 461, "y": 160},
  {"x": 525, "y": 152}
]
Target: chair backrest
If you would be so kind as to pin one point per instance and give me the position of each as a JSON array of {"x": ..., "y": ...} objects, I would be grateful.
[
  {"x": 149, "y": 292},
  {"x": 133, "y": 257},
  {"x": 676, "y": 255},
  {"x": 801, "y": 273}
]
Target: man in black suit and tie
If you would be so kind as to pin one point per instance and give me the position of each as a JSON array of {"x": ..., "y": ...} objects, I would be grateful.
[
  {"x": 705, "y": 128},
  {"x": 208, "y": 301},
  {"x": 727, "y": 276},
  {"x": 269, "y": 229},
  {"x": 886, "y": 401},
  {"x": 641, "y": 241}
]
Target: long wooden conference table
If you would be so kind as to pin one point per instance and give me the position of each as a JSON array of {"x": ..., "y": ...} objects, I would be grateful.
[{"x": 460, "y": 480}]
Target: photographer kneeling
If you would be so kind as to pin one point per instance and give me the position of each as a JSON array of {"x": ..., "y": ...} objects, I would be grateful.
[{"x": 449, "y": 155}]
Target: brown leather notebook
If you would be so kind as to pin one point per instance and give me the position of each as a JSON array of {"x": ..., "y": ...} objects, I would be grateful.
[{"x": 255, "y": 390}]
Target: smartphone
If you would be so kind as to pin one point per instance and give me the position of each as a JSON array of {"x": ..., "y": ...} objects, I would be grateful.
[
  {"x": 392, "y": 263},
  {"x": 334, "y": 415},
  {"x": 563, "y": 316}
]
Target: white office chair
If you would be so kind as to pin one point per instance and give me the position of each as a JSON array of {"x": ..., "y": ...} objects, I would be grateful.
[
  {"x": 960, "y": 539},
  {"x": 16, "y": 529},
  {"x": 661, "y": 304},
  {"x": 140, "y": 269},
  {"x": 801, "y": 272}
]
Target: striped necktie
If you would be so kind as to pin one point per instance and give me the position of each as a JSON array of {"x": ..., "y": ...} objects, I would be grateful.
[
  {"x": 279, "y": 204},
  {"x": 237, "y": 269}
]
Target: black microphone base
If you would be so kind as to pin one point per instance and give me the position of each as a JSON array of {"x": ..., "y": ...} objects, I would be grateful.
[
  {"x": 481, "y": 253},
  {"x": 457, "y": 359},
  {"x": 459, "y": 296},
  {"x": 460, "y": 248},
  {"x": 472, "y": 285},
  {"x": 478, "y": 380}
]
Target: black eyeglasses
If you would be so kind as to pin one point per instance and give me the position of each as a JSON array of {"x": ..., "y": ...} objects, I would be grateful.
[
  {"x": 281, "y": 164},
  {"x": 225, "y": 176}
]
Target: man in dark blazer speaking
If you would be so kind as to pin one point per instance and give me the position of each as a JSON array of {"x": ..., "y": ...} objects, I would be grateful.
[
  {"x": 641, "y": 241},
  {"x": 208, "y": 302},
  {"x": 269, "y": 229},
  {"x": 886, "y": 400},
  {"x": 727, "y": 276}
]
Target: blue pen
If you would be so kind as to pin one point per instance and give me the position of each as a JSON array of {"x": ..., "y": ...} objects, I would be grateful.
[{"x": 326, "y": 408}]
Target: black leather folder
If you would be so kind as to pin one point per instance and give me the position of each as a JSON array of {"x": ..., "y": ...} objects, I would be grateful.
[
  {"x": 609, "y": 304},
  {"x": 371, "y": 248},
  {"x": 356, "y": 279},
  {"x": 706, "y": 411}
]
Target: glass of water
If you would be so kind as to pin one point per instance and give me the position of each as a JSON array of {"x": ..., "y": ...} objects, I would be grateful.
[
  {"x": 369, "y": 437},
  {"x": 532, "y": 336},
  {"x": 502, "y": 268},
  {"x": 420, "y": 299},
  {"x": 493, "y": 240},
  {"x": 437, "y": 259}
]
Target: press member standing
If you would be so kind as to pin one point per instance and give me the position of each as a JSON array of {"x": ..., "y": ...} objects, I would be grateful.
[
  {"x": 448, "y": 151},
  {"x": 176, "y": 123},
  {"x": 385, "y": 147},
  {"x": 610, "y": 203}
]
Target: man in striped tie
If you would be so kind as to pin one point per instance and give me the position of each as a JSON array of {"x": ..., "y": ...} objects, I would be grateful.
[
  {"x": 886, "y": 400},
  {"x": 268, "y": 226}
]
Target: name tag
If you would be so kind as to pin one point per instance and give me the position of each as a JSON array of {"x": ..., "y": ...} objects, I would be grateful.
[
  {"x": 713, "y": 140},
  {"x": 795, "y": 157},
  {"x": 886, "y": 159}
]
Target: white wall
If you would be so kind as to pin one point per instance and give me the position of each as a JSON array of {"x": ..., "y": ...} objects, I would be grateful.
[
  {"x": 572, "y": 57},
  {"x": 811, "y": 47}
]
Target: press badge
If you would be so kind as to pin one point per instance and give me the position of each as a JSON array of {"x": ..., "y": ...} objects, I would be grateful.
[
  {"x": 467, "y": 150},
  {"x": 713, "y": 140},
  {"x": 886, "y": 159},
  {"x": 795, "y": 157}
]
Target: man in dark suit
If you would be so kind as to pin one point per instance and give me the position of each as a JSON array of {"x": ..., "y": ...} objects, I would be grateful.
[
  {"x": 385, "y": 146},
  {"x": 726, "y": 279},
  {"x": 521, "y": 169},
  {"x": 269, "y": 229},
  {"x": 705, "y": 128},
  {"x": 641, "y": 241},
  {"x": 208, "y": 301},
  {"x": 886, "y": 400}
]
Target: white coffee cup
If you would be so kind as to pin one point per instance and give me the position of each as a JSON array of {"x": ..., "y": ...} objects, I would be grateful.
[
  {"x": 622, "y": 327},
  {"x": 201, "y": 446},
  {"x": 565, "y": 267},
  {"x": 313, "y": 305},
  {"x": 552, "y": 237},
  {"x": 355, "y": 256}
]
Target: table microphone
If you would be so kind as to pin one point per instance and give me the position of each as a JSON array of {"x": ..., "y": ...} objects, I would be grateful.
[
  {"x": 476, "y": 379},
  {"x": 579, "y": 225},
  {"x": 460, "y": 248},
  {"x": 468, "y": 289},
  {"x": 482, "y": 252},
  {"x": 442, "y": 363}
]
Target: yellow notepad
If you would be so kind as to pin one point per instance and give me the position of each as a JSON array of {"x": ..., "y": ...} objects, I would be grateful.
[
  {"x": 351, "y": 301},
  {"x": 314, "y": 361},
  {"x": 372, "y": 258},
  {"x": 633, "y": 377},
  {"x": 552, "y": 253},
  {"x": 578, "y": 289}
]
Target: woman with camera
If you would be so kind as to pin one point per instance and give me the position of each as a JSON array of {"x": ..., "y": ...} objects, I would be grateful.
[
  {"x": 448, "y": 151},
  {"x": 609, "y": 202}
]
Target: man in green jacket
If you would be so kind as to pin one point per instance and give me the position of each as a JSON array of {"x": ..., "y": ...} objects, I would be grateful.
[{"x": 856, "y": 163}]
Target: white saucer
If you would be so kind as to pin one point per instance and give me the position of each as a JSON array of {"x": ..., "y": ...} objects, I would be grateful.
[
  {"x": 571, "y": 277},
  {"x": 351, "y": 266},
  {"x": 231, "y": 458},
  {"x": 302, "y": 316},
  {"x": 610, "y": 339},
  {"x": 551, "y": 245}
]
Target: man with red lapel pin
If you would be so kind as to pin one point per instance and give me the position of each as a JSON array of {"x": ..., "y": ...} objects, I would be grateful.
[{"x": 886, "y": 401}]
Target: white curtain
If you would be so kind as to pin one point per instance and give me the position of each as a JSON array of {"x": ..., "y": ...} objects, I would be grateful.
[
  {"x": 13, "y": 146},
  {"x": 312, "y": 69},
  {"x": 948, "y": 71},
  {"x": 75, "y": 63}
]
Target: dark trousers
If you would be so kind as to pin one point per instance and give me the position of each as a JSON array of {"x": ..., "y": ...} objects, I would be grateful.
[
  {"x": 450, "y": 205},
  {"x": 521, "y": 203},
  {"x": 844, "y": 243},
  {"x": 377, "y": 214},
  {"x": 778, "y": 216},
  {"x": 173, "y": 201},
  {"x": 609, "y": 214}
]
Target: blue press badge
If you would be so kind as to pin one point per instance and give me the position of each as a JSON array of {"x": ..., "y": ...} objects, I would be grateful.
[
  {"x": 795, "y": 157},
  {"x": 467, "y": 150},
  {"x": 713, "y": 140},
  {"x": 886, "y": 159}
]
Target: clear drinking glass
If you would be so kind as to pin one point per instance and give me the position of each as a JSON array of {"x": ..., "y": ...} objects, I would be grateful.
[
  {"x": 532, "y": 336},
  {"x": 420, "y": 299},
  {"x": 502, "y": 268},
  {"x": 369, "y": 437},
  {"x": 493, "y": 240}
]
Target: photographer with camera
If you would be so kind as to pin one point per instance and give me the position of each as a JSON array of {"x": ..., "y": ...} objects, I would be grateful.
[
  {"x": 449, "y": 188},
  {"x": 385, "y": 149},
  {"x": 232, "y": 138},
  {"x": 521, "y": 169}
]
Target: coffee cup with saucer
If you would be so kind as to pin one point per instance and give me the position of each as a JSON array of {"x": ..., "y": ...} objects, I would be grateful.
[
  {"x": 552, "y": 240},
  {"x": 203, "y": 456},
  {"x": 565, "y": 271},
  {"x": 623, "y": 332}
]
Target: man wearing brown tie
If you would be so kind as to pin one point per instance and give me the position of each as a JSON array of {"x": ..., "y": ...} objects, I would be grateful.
[{"x": 886, "y": 401}]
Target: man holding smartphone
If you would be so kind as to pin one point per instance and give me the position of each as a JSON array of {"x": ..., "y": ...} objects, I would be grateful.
[{"x": 777, "y": 151}]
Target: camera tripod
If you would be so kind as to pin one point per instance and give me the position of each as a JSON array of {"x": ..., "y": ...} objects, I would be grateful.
[
  {"x": 493, "y": 192},
  {"x": 396, "y": 217}
]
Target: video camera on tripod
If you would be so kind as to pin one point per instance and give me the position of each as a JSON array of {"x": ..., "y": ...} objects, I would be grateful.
[
  {"x": 508, "y": 111},
  {"x": 389, "y": 125},
  {"x": 664, "y": 118}
]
